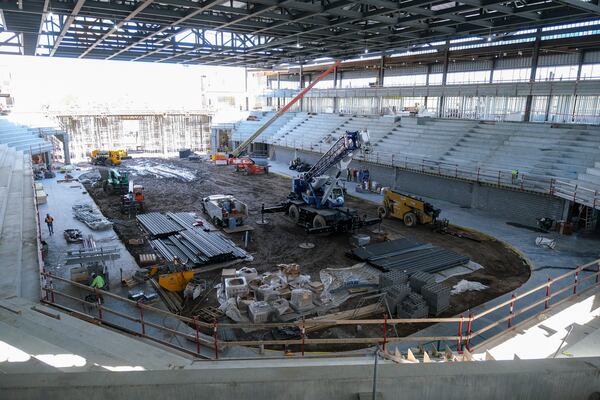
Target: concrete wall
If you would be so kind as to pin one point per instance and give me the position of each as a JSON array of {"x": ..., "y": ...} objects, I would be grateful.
[
  {"x": 320, "y": 379},
  {"x": 515, "y": 206}
]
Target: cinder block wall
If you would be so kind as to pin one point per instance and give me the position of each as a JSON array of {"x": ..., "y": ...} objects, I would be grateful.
[{"x": 513, "y": 205}]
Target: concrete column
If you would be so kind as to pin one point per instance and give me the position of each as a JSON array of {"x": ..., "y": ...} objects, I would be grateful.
[
  {"x": 444, "y": 77},
  {"x": 381, "y": 72},
  {"x": 532, "y": 74},
  {"x": 67, "y": 150}
]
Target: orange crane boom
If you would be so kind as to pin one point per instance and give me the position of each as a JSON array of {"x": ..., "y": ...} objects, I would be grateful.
[{"x": 238, "y": 150}]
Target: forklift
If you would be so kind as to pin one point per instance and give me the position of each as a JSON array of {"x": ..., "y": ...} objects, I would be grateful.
[
  {"x": 133, "y": 201},
  {"x": 106, "y": 157},
  {"x": 410, "y": 209}
]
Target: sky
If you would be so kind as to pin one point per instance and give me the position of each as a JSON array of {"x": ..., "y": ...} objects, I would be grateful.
[{"x": 61, "y": 83}]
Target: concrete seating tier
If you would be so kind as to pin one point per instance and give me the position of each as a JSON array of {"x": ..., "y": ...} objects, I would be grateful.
[
  {"x": 22, "y": 138},
  {"x": 245, "y": 129},
  {"x": 570, "y": 153}
]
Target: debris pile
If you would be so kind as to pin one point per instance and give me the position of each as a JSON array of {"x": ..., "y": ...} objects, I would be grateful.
[
  {"x": 87, "y": 214},
  {"x": 282, "y": 295},
  {"x": 160, "y": 170}
]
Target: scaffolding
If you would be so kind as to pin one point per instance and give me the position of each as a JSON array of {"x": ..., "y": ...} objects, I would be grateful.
[{"x": 156, "y": 132}]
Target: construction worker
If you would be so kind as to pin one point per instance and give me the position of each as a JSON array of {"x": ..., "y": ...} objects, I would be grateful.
[
  {"x": 98, "y": 283},
  {"x": 514, "y": 175},
  {"x": 50, "y": 221}
]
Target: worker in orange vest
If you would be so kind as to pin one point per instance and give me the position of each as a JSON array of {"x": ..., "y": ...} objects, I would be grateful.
[{"x": 49, "y": 221}]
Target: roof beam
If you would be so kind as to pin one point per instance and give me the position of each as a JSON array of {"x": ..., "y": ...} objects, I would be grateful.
[
  {"x": 114, "y": 29},
  {"x": 204, "y": 6},
  {"x": 66, "y": 25}
]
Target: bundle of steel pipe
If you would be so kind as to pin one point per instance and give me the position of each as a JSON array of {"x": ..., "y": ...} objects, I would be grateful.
[
  {"x": 157, "y": 224},
  {"x": 190, "y": 243}
]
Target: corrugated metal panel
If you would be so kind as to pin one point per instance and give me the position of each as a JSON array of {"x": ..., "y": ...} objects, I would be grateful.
[
  {"x": 437, "y": 68},
  {"x": 558, "y": 59},
  {"x": 469, "y": 66},
  {"x": 513, "y": 63},
  {"x": 416, "y": 70},
  {"x": 367, "y": 73},
  {"x": 591, "y": 57}
]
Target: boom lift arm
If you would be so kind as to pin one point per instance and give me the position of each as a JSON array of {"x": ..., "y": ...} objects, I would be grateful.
[{"x": 238, "y": 150}]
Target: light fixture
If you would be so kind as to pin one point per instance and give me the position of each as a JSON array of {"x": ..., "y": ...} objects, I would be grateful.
[
  {"x": 366, "y": 51},
  {"x": 489, "y": 39}
]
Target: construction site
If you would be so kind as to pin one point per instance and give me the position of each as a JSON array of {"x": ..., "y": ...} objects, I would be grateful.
[{"x": 406, "y": 192}]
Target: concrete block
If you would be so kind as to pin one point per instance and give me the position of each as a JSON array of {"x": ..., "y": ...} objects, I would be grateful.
[
  {"x": 281, "y": 306},
  {"x": 260, "y": 312},
  {"x": 235, "y": 287},
  {"x": 302, "y": 299},
  {"x": 266, "y": 293},
  {"x": 396, "y": 294},
  {"x": 248, "y": 273},
  {"x": 413, "y": 306},
  {"x": 437, "y": 296}
]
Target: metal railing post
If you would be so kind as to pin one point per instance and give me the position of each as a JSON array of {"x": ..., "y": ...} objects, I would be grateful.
[
  {"x": 215, "y": 340},
  {"x": 460, "y": 329},
  {"x": 141, "y": 318},
  {"x": 576, "y": 280},
  {"x": 392, "y": 159},
  {"x": 303, "y": 334},
  {"x": 511, "y": 310},
  {"x": 499, "y": 174},
  {"x": 197, "y": 335},
  {"x": 523, "y": 182},
  {"x": 552, "y": 183},
  {"x": 478, "y": 170},
  {"x": 469, "y": 324},
  {"x": 99, "y": 305},
  {"x": 575, "y": 194},
  {"x": 456, "y": 171},
  {"x": 547, "y": 302},
  {"x": 384, "y": 330}
]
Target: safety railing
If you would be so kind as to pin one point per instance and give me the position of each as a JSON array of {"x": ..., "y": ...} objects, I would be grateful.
[
  {"x": 205, "y": 340},
  {"x": 499, "y": 177}
]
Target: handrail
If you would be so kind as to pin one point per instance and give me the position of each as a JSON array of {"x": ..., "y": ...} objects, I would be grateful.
[{"x": 462, "y": 338}]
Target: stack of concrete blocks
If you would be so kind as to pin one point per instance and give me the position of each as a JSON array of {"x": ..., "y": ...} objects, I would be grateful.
[
  {"x": 392, "y": 278},
  {"x": 395, "y": 294},
  {"x": 302, "y": 300},
  {"x": 235, "y": 287},
  {"x": 260, "y": 312},
  {"x": 437, "y": 296},
  {"x": 413, "y": 306},
  {"x": 420, "y": 279}
]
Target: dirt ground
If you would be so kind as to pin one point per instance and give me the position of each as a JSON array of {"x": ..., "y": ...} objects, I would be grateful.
[{"x": 277, "y": 242}]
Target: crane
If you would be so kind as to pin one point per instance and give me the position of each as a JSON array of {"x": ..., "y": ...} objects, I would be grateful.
[
  {"x": 317, "y": 198},
  {"x": 238, "y": 150}
]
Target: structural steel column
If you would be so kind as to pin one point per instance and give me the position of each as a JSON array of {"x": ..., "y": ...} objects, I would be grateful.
[
  {"x": 532, "y": 74},
  {"x": 335, "y": 85},
  {"x": 444, "y": 76},
  {"x": 301, "y": 86},
  {"x": 580, "y": 56},
  {"x": 246, "y": 87},
  {"x": 278, "y": 89},
  {"x": 427, "y": 82},
  {"x": 492, "y": 71}
]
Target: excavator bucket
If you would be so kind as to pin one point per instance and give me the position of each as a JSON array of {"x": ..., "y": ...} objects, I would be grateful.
[{"x": 175, "y": 281}]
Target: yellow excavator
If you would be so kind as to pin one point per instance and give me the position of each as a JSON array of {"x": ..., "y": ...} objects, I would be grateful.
[
  {"x": 105, "y": 157},
  {"x": 410, "y": 209}
]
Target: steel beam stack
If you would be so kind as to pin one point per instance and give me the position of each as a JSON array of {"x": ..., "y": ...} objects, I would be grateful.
[
  {"x": 409, "y": 256},
  {"x": 175, "y": 235}
]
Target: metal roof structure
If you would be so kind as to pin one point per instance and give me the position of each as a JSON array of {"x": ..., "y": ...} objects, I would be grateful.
[{"x": 265, "y": 33}]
